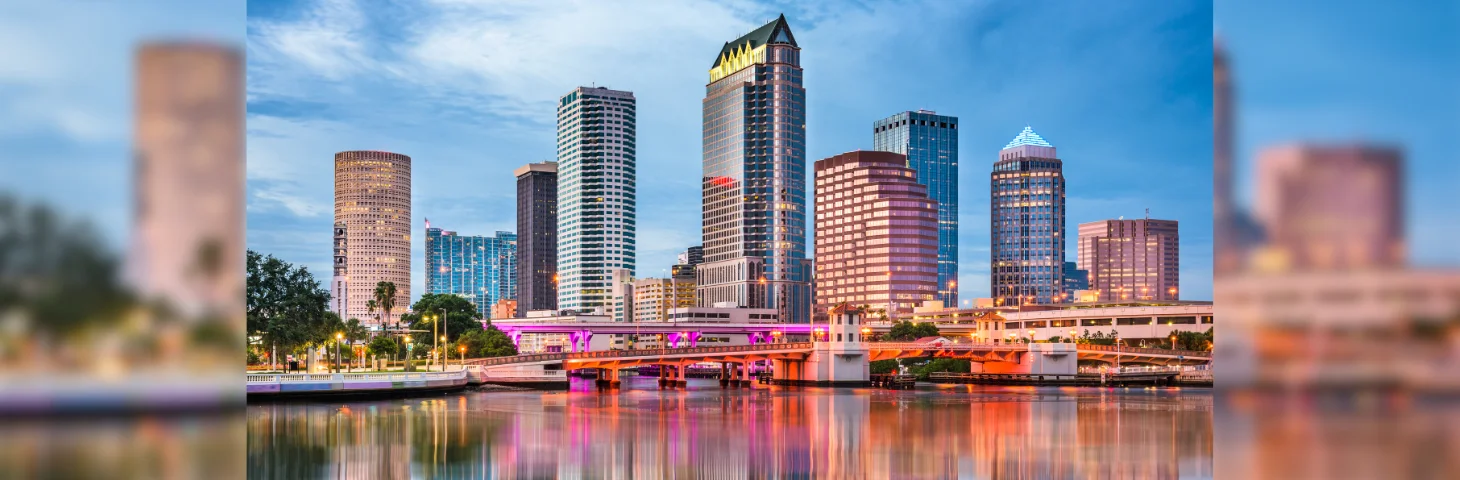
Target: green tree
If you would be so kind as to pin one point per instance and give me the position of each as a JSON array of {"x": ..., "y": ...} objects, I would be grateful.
[
  {"x": 382, "y": 347},
  {"x": 285, "y": 305},
  {"x": 56, "y": 274},
  {"x": 488, "y": 342},
  {"x": 883, "y": 366},
  {"x": 904, "y": 331},
  {"x": 461, "y": 316},
  {"x": 383, "y": 300}
]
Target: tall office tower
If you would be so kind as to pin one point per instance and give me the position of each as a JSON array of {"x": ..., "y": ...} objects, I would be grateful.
[
  {"x": 596, "y": 201},
  {"x": 481, "y": 269},
  {"x": 537, "y": 237},
  {"x": 373, "y": 202},
  {"x": 1331, "y": 207},
  {"x": 930, "y": 142},
  {"x": 876, "y": 234},
  {"x": 1075, "y": 280},
  {"x": 188, "y": 213},
  {"x": 653, "y": 297},
  {"x": 755, "y": 177},
  {"x": 340, "y": 281},
  {"x": 1027, "y": 212},
  {"x": 1131, "y": 259}
]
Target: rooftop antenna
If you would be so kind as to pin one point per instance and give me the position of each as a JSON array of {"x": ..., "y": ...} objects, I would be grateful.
[{"x": 1148, "y": 213}]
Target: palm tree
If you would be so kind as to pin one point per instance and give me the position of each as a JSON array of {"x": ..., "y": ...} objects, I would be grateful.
[{"x": 384, "y": 298}]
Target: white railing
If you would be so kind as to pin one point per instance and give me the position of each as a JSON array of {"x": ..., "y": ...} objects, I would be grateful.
[
  {"x": 951, "y": 346},
  {"x": 356, "y": 377}
]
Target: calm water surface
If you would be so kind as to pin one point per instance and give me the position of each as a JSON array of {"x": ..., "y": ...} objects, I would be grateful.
[{"x": 764, "y": 432}]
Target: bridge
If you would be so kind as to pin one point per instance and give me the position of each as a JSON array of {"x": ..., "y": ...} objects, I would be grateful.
[
  {"x": 789, "y": 360},
  {"x": 676, "y": 333}
]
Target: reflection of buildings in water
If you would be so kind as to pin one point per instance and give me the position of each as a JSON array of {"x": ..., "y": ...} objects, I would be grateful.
[{"x": 764, "y": 433}]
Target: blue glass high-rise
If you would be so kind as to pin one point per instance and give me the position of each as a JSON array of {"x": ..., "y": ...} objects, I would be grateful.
[
  {"x": 480, "y": 269},
  {"x": 1027, "y": 223},
  {"x": 930, "y": 142}
]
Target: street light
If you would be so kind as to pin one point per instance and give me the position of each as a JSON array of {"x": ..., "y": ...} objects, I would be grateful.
[
  {"x": 1031, "y": 335},
  {"x": 338, "y": 337},
  {"x": 1072, "y": 335},
  {"x": 461, "y": 357}
]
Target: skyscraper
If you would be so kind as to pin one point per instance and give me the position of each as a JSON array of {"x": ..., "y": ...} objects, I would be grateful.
[
  {"x": 755, "y": 176},
  {"x": 537, "y": 237},
  {"x": 1131, "y": 259},
  {"x": 930, "y": 142},
  {"x": 876, "y": 234},
  {"x": 373, "y": 202},
  {"x": 1331, "y": 207},
  {"x": 188, "y": 213},
  {"x": 596, "y": 200},
  {"x": 481, "y": 269},
  {"x": 1027, "y": 212},
  {"x": 1075, "y": 280}
]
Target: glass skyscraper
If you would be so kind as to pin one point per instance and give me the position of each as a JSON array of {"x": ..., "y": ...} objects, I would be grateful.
[
  {"x": 930, "y": 142},
  {"x": 596, "y": 194},
  {"x": 754, "y": 185},
  {"x": 481, "y": 269},
  {"x": 1027, "y": 214}
]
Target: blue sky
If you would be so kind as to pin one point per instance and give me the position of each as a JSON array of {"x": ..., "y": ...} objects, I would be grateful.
[
  {"x": 467, "y": 89},
  {"x": 1382, "y": 72}
]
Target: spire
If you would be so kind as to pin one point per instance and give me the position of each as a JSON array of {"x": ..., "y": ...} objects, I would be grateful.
[{"x": 1028, "y": 137}]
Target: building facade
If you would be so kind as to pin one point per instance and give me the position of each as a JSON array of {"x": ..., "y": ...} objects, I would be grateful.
[
  {"x": 504, "y": 308},
  {"x": 1132, "y": 259},
  {"x": 930, "y": 142},
  {"x": 754, "y": 205},
  {"x": 481, "y": 269},
  {"x": 654, "y": 297},
  {"x": 373, "y": 202},
  {"x": 1027, "y": 215},
  {"x": 1075, "y": 280},
  {"x": 339, "y": 281},
  {"x": 596, "y": 194},
  {"x": 537, "y": 237},
  {"x": 1331, "y": 207},
  {"x": 187, "y": 243},
  {"x": 621, "y": 296},
  {"x": 876, "y": 234}
]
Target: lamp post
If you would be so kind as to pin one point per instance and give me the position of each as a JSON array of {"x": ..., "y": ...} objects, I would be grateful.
[
  {"x": 445, "y": 354},
  {"x": 1031, "y": 335},
  {"x": 409, "y": 341},
  {"x": 461, "y": 356},
  {"x": 338, "y": 338}
]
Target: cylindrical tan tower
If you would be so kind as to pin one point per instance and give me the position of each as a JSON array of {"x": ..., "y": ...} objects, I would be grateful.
[{"x": 373, "y": 202}]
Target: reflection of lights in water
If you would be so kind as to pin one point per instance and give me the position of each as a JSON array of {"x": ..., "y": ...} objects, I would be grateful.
[{"x": 642, "y": 432}]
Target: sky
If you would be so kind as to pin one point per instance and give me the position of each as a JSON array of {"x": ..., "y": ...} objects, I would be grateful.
[
  {"x": 1303, "y": 75},
  {"x": 468, "y": 90}
]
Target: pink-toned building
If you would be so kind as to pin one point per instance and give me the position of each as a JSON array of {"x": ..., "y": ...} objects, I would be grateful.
[
  {"x": 187, "y": 235},
  {"x": 373, "y": 206},
  {"x": 1331, "y": 207},
  {"x": 876, "y": 234},
  {"x": 1131, "y": 259}
]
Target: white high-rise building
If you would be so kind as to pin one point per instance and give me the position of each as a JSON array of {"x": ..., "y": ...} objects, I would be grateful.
[{"x": 596, "y": 194}]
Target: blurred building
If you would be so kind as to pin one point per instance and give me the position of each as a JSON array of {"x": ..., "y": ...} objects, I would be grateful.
[
  {"x": 1075, "y": 280},
  {"x": 1331, "y": 207},
  {"x": 754, "y": 188},
  {"x": 537, "y": 232},
  {"x": 481, "y": 269},
  {"x": 1234, "y": 232},
  {"x": 930, "y": 142},
  {"x": 339, "y": 280},
  {"x": 373, "y": 202},
  {"x": 1131, "y": 259},
  {"x": 596, "y": 200},
  {"x": 877, "y": 234},
  {"x": 504, "y": 308},
  {"x": 653, "y": 297},
  {"x": 1028, "y": 217},
  {"x": 188, "y": 173}
]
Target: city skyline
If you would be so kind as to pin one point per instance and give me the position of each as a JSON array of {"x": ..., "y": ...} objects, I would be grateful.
[{"x": 669, "y": 123}]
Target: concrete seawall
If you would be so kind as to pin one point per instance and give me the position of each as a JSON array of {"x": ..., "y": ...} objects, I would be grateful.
[{"x": 310, "y": 385}]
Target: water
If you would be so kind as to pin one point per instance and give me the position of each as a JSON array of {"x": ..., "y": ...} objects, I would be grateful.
[{"x": 763, "y": 432}]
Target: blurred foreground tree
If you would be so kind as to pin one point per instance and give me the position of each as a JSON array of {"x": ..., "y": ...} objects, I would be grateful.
[{"x": 55, "y": 275}]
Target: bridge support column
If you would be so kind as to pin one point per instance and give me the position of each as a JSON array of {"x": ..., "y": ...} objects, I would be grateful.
[
  {"x": 663, "y": 371},
  {"x": 724, "y": 375},
  {"x": 613, "y": 380},
  {"x": 679, "y": 376},
  {"x": 742, "y": 374}
]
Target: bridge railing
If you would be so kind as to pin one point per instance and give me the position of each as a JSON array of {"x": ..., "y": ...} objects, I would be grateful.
[
  {"x": 1138, "y": 350},
  {"x": 951, "y": 346},
  {"x": 547, "y": 357},
  {"x": 330, "y": 377}
]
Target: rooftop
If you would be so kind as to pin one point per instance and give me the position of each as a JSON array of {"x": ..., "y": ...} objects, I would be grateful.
[
  {"x": 777, "y": 31},
  {"x": 1028, "y": 137}
]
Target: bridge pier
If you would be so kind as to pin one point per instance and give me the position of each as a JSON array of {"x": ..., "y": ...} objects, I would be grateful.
[
  {"x": 679, "y": 378},
  {"x": 724, "y": 375}
]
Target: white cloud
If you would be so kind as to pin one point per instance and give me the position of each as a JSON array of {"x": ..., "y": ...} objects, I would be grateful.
[{"x": 328, "y": 40}]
